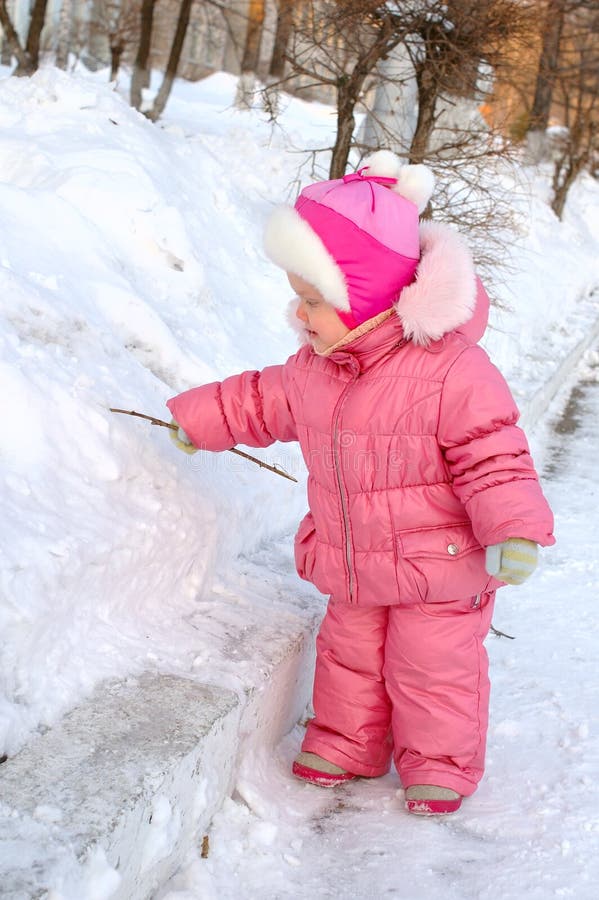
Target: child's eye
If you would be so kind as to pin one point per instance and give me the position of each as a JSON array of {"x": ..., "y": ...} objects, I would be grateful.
[{"x": 312, "y": 302}]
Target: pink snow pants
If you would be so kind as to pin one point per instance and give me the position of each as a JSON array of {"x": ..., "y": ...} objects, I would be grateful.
[{"x": 404, "y": 681}]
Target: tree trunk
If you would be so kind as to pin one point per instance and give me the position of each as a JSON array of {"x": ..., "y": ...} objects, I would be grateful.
[
  {"x": 63, "y": 43},
  {"x": 251, "y": 54},
  {"x": 116, "y": 54},
  {"x": 551, "y": 37},
  {"x": 32, "y": 47},
  {"x": 27, "y": 56},
  {"x": 348, "y": 91},
  {"x": 427, "y": 101},
  {"x": 282, "y": 35},
  {"x": 575, "y": 158},
  {"x": 343, "y": 139},
  {"x": 140, "y": 76},
  {"x": 173, "y": 62},
  {"x": 391, "y": 121},
  {"x": 565, "y": 174},
  {"x": 548, "y": 63},
  {"x": 6, "y": 53},
  {"x": 11, "y": 38}
]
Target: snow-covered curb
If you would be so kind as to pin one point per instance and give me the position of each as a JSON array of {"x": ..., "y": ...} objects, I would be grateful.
[
  {"x": 108, "y": 803},
  {"x": 541, "y": 399}
]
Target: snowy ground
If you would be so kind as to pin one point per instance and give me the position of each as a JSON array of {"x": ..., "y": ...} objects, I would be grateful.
[
  {"x": 532, "y": 829},
  {"x": 130, "y": 269}
]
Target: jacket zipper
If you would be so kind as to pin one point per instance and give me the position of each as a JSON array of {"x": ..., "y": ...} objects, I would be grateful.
[
  {"x": 340, "y": 404},
  {"x": 348, "y": 553}
]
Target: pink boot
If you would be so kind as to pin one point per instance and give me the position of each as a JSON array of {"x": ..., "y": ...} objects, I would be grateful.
[
  {"x": 315, "y": 770},
  {"x": 430, "y": 800}
]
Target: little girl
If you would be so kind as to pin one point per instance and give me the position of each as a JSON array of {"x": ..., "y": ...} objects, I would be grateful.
[{"x": 423, "y": 496}]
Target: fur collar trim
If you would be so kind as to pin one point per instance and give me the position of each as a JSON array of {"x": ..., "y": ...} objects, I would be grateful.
[{"x": 443, "y": 295}]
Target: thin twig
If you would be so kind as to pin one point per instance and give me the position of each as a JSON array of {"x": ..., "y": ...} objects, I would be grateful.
[
  {"x": 155, "y": 421},
  {"x": 152, "y": 419},
  {"x": 501, "y": 634}
]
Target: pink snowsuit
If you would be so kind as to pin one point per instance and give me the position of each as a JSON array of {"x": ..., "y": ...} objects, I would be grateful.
[{"x": 415, "y": 465}]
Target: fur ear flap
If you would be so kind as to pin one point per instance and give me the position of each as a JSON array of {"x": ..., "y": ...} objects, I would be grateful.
[
  {"x": 443, "y": 296},
  {"x": 294, "y": 246},
  {"x": 415, "y": 183}
]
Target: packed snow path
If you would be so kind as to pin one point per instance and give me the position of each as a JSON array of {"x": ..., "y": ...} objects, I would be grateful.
[{"x": 532, "y": 829}]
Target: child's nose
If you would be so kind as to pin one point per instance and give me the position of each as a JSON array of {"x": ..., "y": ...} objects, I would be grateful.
[{"x": 301, "y": 312}]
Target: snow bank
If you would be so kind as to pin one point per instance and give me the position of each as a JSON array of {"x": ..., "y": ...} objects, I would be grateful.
[{"x": 131, "y": 270}]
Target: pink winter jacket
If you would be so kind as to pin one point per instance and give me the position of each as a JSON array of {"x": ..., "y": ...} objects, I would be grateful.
[{"x": 415, "y": 461}]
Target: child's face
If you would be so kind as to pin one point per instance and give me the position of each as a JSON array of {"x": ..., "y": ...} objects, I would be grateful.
[{"x": 321, "y": 323}]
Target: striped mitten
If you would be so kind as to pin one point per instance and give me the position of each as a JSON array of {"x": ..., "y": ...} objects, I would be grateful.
[{"x": 513, "y": 560}]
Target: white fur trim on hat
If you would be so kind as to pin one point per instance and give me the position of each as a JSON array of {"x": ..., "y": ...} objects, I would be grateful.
[
  {"x": 443, "y": 296},
  {"x": 294, "y": 246},
  {"x": 415, "y": 183}
]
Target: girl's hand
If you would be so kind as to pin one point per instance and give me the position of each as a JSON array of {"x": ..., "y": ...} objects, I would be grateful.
[
  {"x": 180, "y": 439},
  {"x": 512, "y": 561}
]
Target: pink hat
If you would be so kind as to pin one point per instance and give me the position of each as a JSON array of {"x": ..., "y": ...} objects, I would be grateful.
[{"x": 355, "y": 238}]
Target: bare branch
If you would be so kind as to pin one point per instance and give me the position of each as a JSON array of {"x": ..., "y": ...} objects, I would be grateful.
[{"x": 174, "y": 427}]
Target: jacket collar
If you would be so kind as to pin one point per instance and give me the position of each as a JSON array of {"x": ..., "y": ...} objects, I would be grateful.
[{"x": 363, "y": 347}]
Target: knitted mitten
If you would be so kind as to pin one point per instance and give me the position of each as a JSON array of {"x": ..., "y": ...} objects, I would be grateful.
[
  {"x": 513, "y": 560},
  {"x": 180, "y": 439}
]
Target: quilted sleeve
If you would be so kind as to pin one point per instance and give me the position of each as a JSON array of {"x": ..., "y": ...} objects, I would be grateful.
[
  {"x": 250, "y": 408},
  {"x": 488, "y": 455}
]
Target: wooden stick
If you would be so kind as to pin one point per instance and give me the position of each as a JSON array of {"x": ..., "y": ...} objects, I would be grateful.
[{"x": 155, "y": 421}]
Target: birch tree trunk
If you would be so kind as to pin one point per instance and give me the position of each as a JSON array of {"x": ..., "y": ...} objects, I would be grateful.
[
  {"x": 141, "y": 73},
  {"x": 63, "y": 43},
  {"x": 391, "y": 122}
]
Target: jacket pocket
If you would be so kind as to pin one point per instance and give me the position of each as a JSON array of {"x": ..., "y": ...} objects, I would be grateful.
[
  {"x": 439, "y": 565},
  {"x": 305, "y": 548}
]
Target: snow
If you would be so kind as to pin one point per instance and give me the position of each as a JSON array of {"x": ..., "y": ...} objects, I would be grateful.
[{"x": 131, "y": 269}]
